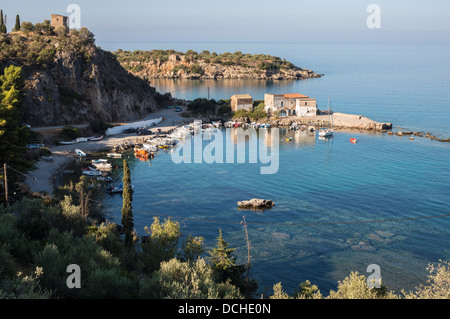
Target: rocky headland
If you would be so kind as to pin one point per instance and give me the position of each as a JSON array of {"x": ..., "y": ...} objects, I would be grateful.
[
  {"x": 205, "y": 65},
  {"x": 69, "y": 80}
]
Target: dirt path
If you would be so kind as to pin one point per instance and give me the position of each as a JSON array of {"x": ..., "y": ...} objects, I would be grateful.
[{"x": 42, "y": 178}]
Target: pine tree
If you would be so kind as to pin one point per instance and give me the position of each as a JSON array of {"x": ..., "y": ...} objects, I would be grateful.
[
  {"x": 127, "y": 213},
  {"x": 17, "y": 26},
  {"x": 2, "y": 23},
  {"x": 225, "y": 267},
  {"x": 13, "y": 136}
]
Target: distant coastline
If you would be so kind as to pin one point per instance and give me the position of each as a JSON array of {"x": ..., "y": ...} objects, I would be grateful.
[{"x": 171, "y": 64}]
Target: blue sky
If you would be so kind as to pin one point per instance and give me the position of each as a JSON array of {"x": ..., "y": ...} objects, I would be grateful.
[{"x": 248, "y": 20}]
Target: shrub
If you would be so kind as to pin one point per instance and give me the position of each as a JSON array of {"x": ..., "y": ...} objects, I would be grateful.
[
  {"x": 196, "y": 69},
  {"x": 186, "y": 280},
  {"x": 69, "y": 133},
  {"x": 98, "y": 126}
]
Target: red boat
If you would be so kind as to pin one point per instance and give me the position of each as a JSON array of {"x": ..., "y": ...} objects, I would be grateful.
[{"x": 353, "y": 140}]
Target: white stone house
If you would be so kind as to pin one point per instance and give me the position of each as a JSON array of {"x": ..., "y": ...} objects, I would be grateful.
[
  {"x": 293, "y": 104},
  {"x": 306, "y": 107}
]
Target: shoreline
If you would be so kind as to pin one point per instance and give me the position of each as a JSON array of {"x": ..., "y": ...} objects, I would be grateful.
[{"x": 42, "y": 179}]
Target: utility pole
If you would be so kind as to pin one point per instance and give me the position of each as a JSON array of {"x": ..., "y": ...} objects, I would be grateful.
[
  {"x": 6, "y": 182},
  {"x": 208, "y": 92},
  {"x": 248, "y": 250}
]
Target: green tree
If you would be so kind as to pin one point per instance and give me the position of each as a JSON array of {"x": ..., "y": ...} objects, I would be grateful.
[
  {"x": 127, "y": 213},
  {"x": 27, "y": 27},
  {"x": 225, "y": 267},
  {"x": 2, "y": 23},
  {"x": 12, "y": 134},
  {"x": 17, "y": 26},
  {"x": 355, "y": 287},
  {"x": 437, "y": 286},
  {"x": 162, "y": 243},
  {"x": 186, "y": 280},
  {"x": 192, "y": 248}
]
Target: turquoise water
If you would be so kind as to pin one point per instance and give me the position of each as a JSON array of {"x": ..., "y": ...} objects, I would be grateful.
[
  {"x": 405, "y": 84},
  {"x": 319, "y": 182},
  {"x": 334, "y": 181}
]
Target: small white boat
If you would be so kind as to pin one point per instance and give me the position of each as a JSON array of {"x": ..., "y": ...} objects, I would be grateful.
[
  {"x": 95, "y": 138},
  {"x": 323, "y": 132},
  {"x": 116, "y": 189},
  {"x": 82, "y": 139},
  {"x": 98, "y": 161},
  {"x": 91, "y": 173},
  {"x": 47, "y": 158},
  {"x": 150, "y": 147},
  {"x": 102, "y": 166},
  {"x": 67, "y": 142},
  {"x": 114, "y": 155},
  {"x": 80, "y": 153}
]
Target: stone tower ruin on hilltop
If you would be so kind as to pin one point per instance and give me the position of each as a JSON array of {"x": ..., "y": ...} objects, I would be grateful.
[{"x": 60, "y": 21}]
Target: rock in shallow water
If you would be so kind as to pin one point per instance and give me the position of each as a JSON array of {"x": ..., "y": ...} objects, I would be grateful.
[{"x": 256, "y": 203}]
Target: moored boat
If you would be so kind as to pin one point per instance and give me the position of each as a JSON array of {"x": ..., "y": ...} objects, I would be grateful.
[
  {"x": 114, "y": 155},
  {"x": 141, "y": 152},
  {"x": 324, "y": 132},
  {"x": 80, "y": 153},
  {"x": 91, "y": 172}
]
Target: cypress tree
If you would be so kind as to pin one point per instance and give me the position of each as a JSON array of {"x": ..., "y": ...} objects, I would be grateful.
[
  {"x": 2, "y": 23},
  {"x": 17, "y": 26},
  {"x": 127, "y": 213}
]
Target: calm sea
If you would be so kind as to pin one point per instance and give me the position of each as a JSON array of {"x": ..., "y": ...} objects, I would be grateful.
[{"x": 320, "y": 182}]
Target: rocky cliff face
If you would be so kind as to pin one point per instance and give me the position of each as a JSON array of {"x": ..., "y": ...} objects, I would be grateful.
[
  {"x": 199, "y": 67},
  {"x": 78, "y": 83}
]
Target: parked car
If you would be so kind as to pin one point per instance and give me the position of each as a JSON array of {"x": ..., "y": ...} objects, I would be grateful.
[
  {"x": 178, "y": 109},
  {"x": 168, "y": 107}
]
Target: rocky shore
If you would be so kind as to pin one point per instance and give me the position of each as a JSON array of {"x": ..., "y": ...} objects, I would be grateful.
[{"x": 340, "y": 121}]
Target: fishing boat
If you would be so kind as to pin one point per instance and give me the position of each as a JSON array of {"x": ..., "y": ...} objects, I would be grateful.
[
  {"x": 99, "y": 161},
  {"x": 353, "y": 140},
  {"x": 67, "y": 142},
  {"x": 150, "y": 147},
  {"x": 114, "y": 155},
  {"x": 80, "y": 153},
  {"x": 116, "y": 189},
  {"x": 102, "y": 166},
  {"x": 324, "y": 132},
  {"x": 95, "y": 138},
  {"x": 81, "y": 139},
  {"x": 91, "y": 172},
  {"x": 141, "y": 152}
]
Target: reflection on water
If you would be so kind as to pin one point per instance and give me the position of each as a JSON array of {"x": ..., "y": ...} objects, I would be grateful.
[
  {"x": 223, "y": 89},
  {"x": 318, "y": 182}
]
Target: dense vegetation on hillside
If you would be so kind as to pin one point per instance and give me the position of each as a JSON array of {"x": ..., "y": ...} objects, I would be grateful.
[
  {"x": 35, "y": 44},
  {"x": 69, "y": 80},
  {"x": 207, "y": 65},
  {"x": 262, "y": 61},
  {"x": 39, "y": 238}
]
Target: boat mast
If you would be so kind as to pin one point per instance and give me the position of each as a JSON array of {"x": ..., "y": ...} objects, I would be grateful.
[{"x": 329, "y": 110}]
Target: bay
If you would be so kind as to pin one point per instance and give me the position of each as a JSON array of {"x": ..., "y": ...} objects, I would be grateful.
[{"x": 319, "y": 182}]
